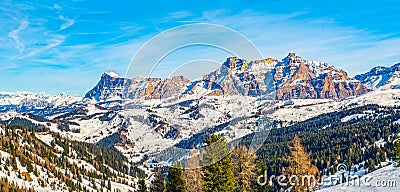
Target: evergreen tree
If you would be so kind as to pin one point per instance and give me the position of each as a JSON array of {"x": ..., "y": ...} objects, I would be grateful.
[
  {"x": 396, "y": 152},
  {"x": 176, "y": 179},
  {"x": 158, "y": 185},
  {"x": 14, "y": 162},
  {"x": 94, "y": 184},
  {"x": 109, "y": 186},
  {"x": 218, "y": 166},
  {"x": 142, "y": 186},
  {"x": 244, "y": 167},
  {"x": 29, "y": 167},
  {"x": 261, "y": 169}
]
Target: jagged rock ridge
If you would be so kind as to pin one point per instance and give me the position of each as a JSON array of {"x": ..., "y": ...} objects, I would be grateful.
[
  {"x": 297, "y": 78},
  {"x": 112, "y": 87},
  {"x": 292, "y": 77}
]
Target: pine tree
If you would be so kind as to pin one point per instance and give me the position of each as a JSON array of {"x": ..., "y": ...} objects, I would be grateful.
[
  {"x": 14, "y": 162},
  {"x": 29, "y": 167},
  {"x": 109, "y": 185},
  {"x": 300, "y": 166},
  {"x": 142, "y": 186},
  {"x": 94, "y": 184},
  {"x": 244, "y": 167},
  {"x": 261, "y": 169},
  {"x": 193, "y": 172},
  {"x": 158, "y": 185},
  {"x": 176, "y": 179},
  {"x": 396, "y": 152},
  {"x": 35, "y": 172},
  {"x": 218, "y": 166}
]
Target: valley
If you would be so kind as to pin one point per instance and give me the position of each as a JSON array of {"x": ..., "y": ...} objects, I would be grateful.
[{"x": 140, "y": 120}]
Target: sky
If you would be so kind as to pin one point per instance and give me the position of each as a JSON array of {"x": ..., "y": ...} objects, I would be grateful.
[{"x": 65, "y": 46}]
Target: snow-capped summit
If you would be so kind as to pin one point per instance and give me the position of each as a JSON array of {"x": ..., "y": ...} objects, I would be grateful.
[
  {"x": 112, "y": 74},
  {"x": 296, "y": 77},
  {"x": 291, "y": 77},
  {"x": 380, "y": 76},
  {"x": 112, "y": 87}
]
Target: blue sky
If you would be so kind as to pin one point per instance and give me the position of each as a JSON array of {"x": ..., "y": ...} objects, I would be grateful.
[{"x": 65, "y": 46}]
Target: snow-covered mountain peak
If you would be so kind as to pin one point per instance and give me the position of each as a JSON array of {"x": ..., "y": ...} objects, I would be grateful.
[
  {"x": 235, "y": 63},
  {"x": 288, "y": 78},
  {"x": 381, "y": 76},
  {"x": 38, "y": 103},
  {"x": 292, "y": 60},
  {"x": 112, "y": 74}
]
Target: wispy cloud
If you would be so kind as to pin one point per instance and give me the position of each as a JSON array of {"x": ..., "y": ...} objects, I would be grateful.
[
  {"x": 49, "y": 44},
  {"x": 14, "y": 34},
  {"x": 78, "y": 40},
  {"x": 177, "y": 15},
  {"x": 56, "y": 6},
  {"x": 67, "y": 22},
  {"x": 355, "y": 50}
]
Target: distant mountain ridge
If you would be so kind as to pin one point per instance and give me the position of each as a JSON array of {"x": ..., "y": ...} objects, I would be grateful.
[
  {"x": 381, "y": 76},
  {"x": 291, "y": 78},
  {"x": 112, "y": 87},
  {"x": 130, "y": 115},
  {"x": 38, "y": 103}
]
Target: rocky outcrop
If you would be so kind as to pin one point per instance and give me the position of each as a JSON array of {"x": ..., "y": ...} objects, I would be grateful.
[
  {"x": 292, "y": 77},
  {"x": 237, "y": 77},
  {"x": 298, "y": 78},
  {"x": 111, "y": 87}
]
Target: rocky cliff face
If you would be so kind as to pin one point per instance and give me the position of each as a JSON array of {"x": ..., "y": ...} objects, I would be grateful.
[
  {"x": 236, "y": 77},
  {"x": 111, "y": 87},
  {"x": 380, "y": 77},
  {"x": 292, "y": 77},
  {"x": 298, "y": 78}
]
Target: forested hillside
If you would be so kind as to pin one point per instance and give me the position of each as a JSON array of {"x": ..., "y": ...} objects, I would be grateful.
[
  {"x": 362, "y": 138},
  {"x": 30, "y": 163},
  {"x": 335, "y": 138}
]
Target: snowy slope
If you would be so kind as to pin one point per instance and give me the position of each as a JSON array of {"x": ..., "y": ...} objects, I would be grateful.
[
  {"x": 303, "y": 109},
  {"x": 45, "y": 179},
  {"x": 150, "y": 126},
  {"x": 141, "y": 117},
  {"x": 38, "y": 103},
  {"x": 386, "y": 179},
  {"x": 29, "y": 99}
]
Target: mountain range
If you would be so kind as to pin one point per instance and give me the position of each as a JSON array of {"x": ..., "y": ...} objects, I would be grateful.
[
  {"x": 290, "y": 78},
  {"x": 142, "y": 117}
]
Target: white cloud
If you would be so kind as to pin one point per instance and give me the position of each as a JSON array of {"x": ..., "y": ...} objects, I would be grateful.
[
  {"x": 14, "y": 34},
  {"x": 54, "y": 41},
  {"x": 68, "y": 23},
  {"x": 355, "y": 50},
  {"x": 56, "y": 6}
]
